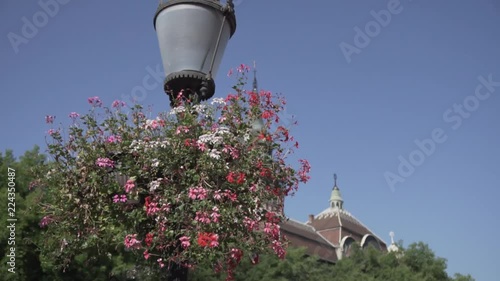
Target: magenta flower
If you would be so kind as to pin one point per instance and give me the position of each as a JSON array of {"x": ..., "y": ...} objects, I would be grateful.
[
  {"x": 105, "y": 162},
  {"x": 49, "y": 119},
  {"x": 160, "y": 262},
  {"x": 45, "y": 221},
  {"x": 51, "y": 132},
  {"x": 146, "y": 254},
  {"x": 230, "y": 72},
  {"x": 114, "y": 139},
  {"x": 243, "y": 68},
  {"x": 185, "y": 242},
  {"x": 129, "y": 185},
  {"x": 74, "y": 115},
  {"x": 132, "y": 242},
  {"x": 120, "y": 198},
  {"x": 95, "y": 101},
  {"x": 118, "y": 104}
]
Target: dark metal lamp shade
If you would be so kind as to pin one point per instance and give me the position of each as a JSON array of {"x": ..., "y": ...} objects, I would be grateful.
[{"x": 193, "y": 35}]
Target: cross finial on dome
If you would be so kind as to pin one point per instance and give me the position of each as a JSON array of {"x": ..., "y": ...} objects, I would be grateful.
[{"x": 334, "y": 179}]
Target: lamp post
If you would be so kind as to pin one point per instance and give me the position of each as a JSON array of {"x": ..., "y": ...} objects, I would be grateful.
[{"x": 193, "y": 35}]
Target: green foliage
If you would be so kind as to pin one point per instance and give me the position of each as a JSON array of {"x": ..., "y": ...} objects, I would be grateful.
[
  {"x": 27, "y": 265},
  {"x": 418, "y": 263}
]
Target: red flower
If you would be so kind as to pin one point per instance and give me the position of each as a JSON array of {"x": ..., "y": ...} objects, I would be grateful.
[
  {"x": 230, "y": 177},
  {"x": 263, "y": 136},
  {"x": 241, "y": 178},
  {"x": 149, "y": 239},
  {"x": 267, "y": 114},
  {"x": 208, "y": 240},
  {"x": 148, "y": 201}
]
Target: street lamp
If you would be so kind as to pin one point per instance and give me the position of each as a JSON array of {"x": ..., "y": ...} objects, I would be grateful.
[{"x": 193, "y": 35}]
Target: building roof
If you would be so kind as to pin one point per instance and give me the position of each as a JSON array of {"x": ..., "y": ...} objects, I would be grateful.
[{"x": 302, "y": 235}]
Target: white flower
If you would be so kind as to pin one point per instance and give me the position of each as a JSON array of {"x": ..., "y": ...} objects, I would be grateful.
[
  {"x": 246, "y": 137},
  {"x": 176, "y": 110},
  {"x": 200, "y": 108},
  {"x": 214, "y": 153},
  {"x": 155, "y": 163},
  {"x": 154, "y": 184},
  {"x": 222, "y": 130},
  {"x": 218, "y": 101}
]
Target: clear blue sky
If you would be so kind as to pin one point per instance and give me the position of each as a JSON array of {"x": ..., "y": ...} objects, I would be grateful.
[{"x": 355, "y": 118}]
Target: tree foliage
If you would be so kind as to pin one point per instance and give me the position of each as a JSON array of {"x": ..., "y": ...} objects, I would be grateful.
[{"x": 416, "y": 263}]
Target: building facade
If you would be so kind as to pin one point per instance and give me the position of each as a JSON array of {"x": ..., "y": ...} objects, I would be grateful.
[{"x": 331, "y": 233}]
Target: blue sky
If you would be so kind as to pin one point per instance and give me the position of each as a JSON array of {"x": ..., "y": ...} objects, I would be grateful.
[{"x": 413, "y": 79}]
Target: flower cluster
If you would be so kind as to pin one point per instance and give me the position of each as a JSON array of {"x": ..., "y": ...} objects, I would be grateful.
[{"x": 202, "y": 182}]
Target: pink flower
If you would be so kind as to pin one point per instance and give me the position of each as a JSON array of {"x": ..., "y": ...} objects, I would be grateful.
[
  {"x": 253, "y": 187},
  {"x": 45, "y": 221},
  {"x": 119, "y": 198},
  {"x": 95, "y": 101},
  {"x": 49, "y": 119},
  {"x": 232, "y": 151},
  {"x": 236, "y": 254},
  {"x": 230, "y": 72},
  {"x": 118, "y": 104},
  {"x": 105, "y": 162},
  {"x": 197, "y": 193},
  {"x": 160, "y": 262},
  {"x": 181, "y": 129},
  {"x": 152, "y": 208},
  {"x": 218, "y": 195},
  {"x": 231, "y": 195},
  {"x": 243, "y": 68},
  {"x": 278, "y": 249},
  {"x": 74, "y": 115},
  {"x": 304, "y": 170},
  {"x": 132, "y": 242},
  {"x": 114, "y": 139},
  {"x": 146, "y": 254},
  {"x": 201, "y": 146},
  {"x": 51, "y": 132},
  {"x": 250, "y": 224},
  {"x": 215, "y": 214},
  {"x": 202, "y": 217},
  {"x": 129, "y": 185},
  {"x": 165, "y": 208},
  {"x": 185, "y": 242}
]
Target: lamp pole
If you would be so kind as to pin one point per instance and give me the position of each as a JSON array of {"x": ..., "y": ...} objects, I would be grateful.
[{"x": 192, "y": 36}]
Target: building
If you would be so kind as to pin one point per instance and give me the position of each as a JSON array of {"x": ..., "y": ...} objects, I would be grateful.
[{"x": 331, "y": 233}]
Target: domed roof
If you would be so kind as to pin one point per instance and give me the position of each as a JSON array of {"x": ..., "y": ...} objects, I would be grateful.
[{"x": 336, "y": 196}]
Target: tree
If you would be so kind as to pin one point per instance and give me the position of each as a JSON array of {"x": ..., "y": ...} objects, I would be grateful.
[
  {"x": 296, "y": 266},
  {"x": 18, "y": 242},
  {"x": 417, "y": 263},
  {"x": 187, "y": 186}
]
